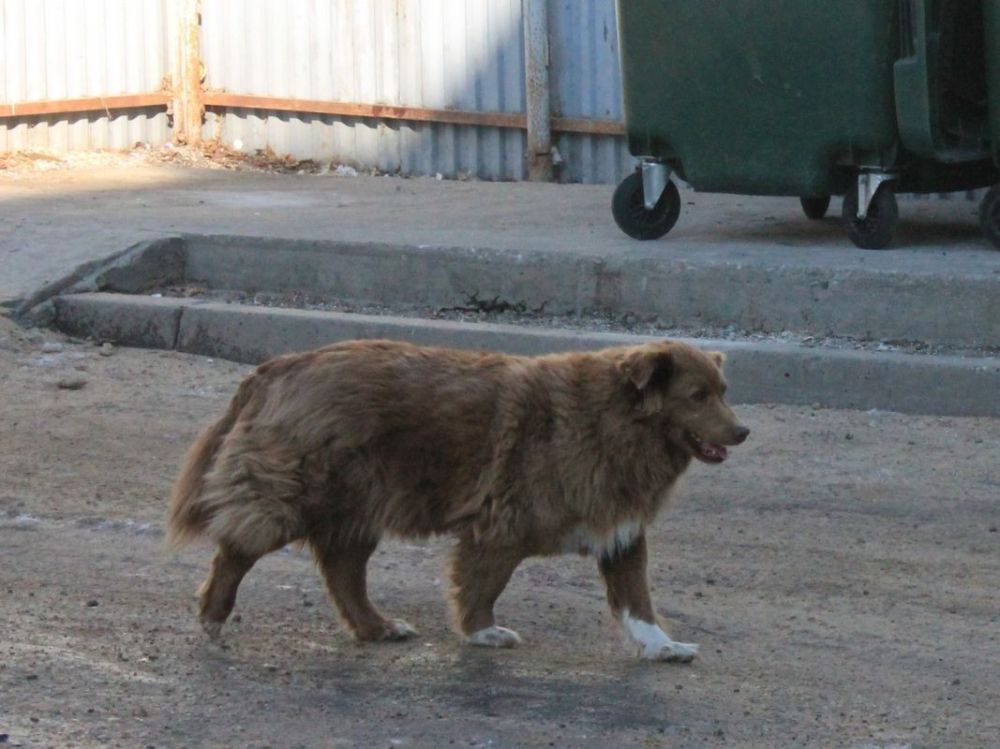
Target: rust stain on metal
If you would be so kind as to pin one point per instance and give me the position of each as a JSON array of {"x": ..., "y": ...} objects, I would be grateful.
[
  {"x": 376, "y": 111},
  {"x": 221, "y": 99},
  {"x": 88, "y": 104},
  {"x": 188, "y": 107},
  {"x": 588, "y": 126},
  {"x": 517, "y": 121},
  {"x": 536, "y": 83}
]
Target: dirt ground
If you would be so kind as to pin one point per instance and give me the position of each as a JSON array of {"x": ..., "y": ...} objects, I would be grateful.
[{"x": 840, "y": 573}]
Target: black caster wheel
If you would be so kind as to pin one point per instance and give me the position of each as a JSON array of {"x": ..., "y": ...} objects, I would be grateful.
[
  {"x": 874, "y": 231},
  {"x": 631, "y": 215},
  {"x": 815, "y": 208},
  {"x": 989, "y": 215}
]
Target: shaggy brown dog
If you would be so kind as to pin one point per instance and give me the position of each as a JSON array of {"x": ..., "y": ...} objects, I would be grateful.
[{"x": 515, "y": 456}]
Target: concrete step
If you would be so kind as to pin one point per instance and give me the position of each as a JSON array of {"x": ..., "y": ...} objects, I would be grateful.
[
  {"x": 850, "y": 298},
  {"x": 859, "y": 295},
  {"x": 758, "y": 371}
]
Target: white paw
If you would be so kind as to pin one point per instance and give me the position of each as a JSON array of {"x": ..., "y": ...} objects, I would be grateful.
[
  {"x": 675, "y": 652},
  {"x": 495, "y": 637},
  {"x": 397, "y": 629},
  {"x": 653, "y": 643}
]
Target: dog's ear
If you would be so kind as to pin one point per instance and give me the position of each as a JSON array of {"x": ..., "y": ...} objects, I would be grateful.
[
  {"x": 718, "y": 357},
  {"x": 642, "y": 368}
]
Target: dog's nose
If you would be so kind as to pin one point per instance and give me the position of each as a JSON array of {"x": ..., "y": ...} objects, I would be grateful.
[{"x": 741, "y": 433}]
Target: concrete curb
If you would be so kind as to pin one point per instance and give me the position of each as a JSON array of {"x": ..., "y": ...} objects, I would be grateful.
[
  {"x": 765, "y": 372},
  {"x": 143, "y": 266},
  {"x": 848, "y": 299}
]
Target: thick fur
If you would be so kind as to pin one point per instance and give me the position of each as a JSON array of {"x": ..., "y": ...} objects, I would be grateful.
[{"x": 516, "y": 456}]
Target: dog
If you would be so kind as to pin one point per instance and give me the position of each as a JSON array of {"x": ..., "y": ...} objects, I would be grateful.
[{"x": 514, "y": 456}]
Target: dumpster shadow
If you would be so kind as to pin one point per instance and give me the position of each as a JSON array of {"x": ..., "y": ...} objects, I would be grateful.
[
  {"x": 918, "y": 228},
  {"x": 938, "y": 223}
]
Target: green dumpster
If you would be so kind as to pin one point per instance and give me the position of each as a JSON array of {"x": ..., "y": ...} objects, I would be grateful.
[
  {"x": 809, "y": 99},
  {"x": 990, "y": 211}
]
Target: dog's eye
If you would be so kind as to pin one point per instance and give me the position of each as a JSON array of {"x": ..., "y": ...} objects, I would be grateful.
[{"x": 700, "y": 396}]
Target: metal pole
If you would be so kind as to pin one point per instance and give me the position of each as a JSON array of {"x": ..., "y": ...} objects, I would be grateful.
[
  {"x": 536, "y": 78},
  {"x": 188, "y": 108}
]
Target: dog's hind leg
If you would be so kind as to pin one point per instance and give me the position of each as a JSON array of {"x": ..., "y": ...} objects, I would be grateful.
[
  {"x": 217, "y": 595},
  {"x": 479, "y": 574},
  {"x": 251, "y": 504},
  {"x": 244, "y": 533},
  {"x": 624, "y": 572},
  {"x": 344, "y": 567}
]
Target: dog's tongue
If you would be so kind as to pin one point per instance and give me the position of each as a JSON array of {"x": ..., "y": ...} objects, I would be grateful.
[{"x": 714, "y": 452}]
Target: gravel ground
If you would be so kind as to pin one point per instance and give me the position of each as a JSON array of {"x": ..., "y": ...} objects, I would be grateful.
[{"x": 839, "y": 572}]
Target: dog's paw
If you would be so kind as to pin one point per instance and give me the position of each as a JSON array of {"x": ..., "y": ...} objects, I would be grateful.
[
  {"x": 397, "y": 629},
  {"x": 675, "y": 652},
  {"x": 653, "y": 644},
  {"x": 212, "y": 629},
  {"x": 495, "y": 637},
  {"x": 384, "y": 630}
]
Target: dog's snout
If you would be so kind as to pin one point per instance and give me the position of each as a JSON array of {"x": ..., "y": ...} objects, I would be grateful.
[{"x": 741, "y": 433}]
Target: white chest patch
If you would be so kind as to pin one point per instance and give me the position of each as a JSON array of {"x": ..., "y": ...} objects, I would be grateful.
[{"x": 585, "y": 540}]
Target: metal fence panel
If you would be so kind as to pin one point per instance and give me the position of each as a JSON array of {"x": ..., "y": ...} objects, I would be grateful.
[
  {"x": 66, "y": 49},
  {"x": 442, "y": 54},
  {"x": 586, "y": 82}
]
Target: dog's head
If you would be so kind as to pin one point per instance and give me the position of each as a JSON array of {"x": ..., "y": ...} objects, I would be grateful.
[{"x": 681, "y": 389}]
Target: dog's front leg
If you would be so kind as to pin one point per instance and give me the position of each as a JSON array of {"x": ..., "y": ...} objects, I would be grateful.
[
  {"x": 624, "y": 573},
  {"x": 479, "y": 573}
]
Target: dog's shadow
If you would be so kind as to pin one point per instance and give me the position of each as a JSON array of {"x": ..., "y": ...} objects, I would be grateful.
[
  {"x": 463, "y": 683},
  {"x": 605, "y": 698}
]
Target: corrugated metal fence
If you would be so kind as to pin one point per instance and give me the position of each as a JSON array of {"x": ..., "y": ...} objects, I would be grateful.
[
  {"x": 413, "y": 62},
  {"x": 81, "y": 51},
  {"x": 435, "y": 54},
  {"x": 586, "y": 83}
]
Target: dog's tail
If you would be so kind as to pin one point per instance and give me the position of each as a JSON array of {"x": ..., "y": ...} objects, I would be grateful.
[{"x": 187, "y": 518}]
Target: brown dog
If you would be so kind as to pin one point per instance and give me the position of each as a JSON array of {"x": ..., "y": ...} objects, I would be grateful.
[{"x": 515, "y": 456}]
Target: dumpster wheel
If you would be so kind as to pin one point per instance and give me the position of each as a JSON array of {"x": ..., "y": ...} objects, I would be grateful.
[
  {"x": 874, "y": 231},
  {"x": 815, "y": 208},
  {"x": 632, "y": 216},
  {"x": 989, "y": 215}
]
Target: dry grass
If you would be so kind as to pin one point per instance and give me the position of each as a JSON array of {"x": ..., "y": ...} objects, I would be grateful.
[{"x": 209, "y": 155}]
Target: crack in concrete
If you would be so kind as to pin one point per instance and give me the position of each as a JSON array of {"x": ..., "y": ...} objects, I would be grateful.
[
  {"x": 474, "y": 304},
  {"x": 178, "y": 319}
]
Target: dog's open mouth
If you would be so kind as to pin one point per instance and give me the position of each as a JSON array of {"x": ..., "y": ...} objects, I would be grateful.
[{"x": 707, "y": 452}]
